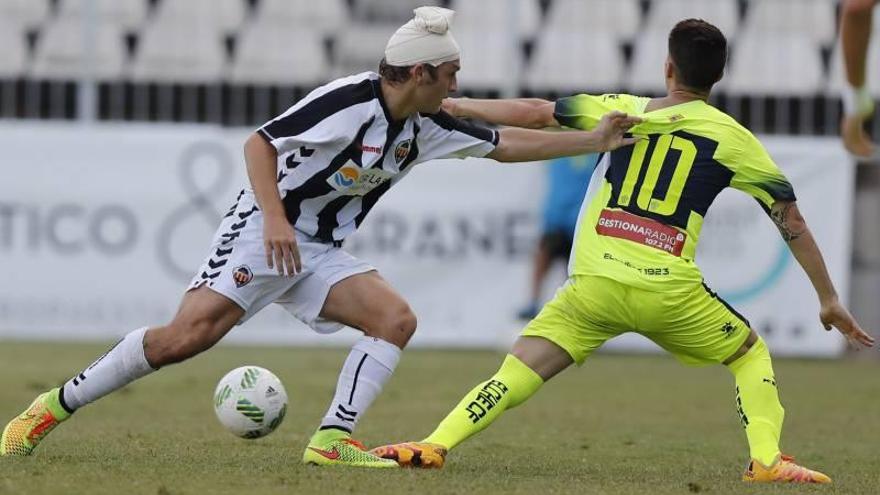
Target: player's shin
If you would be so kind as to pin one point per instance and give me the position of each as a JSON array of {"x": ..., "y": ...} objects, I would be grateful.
[
  {"x": 368, "y": 366},
  {"x": 124, "y": 363},
  {"x": 758, "y": 403},
  {"x": 512, "y": 385}
]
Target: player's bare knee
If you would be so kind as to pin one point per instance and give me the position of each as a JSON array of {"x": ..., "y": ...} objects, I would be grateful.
[
  {"x": 407, "y": 322},
  {"x": 401, "y": 324},
  {"x": 395, "y": 325}
]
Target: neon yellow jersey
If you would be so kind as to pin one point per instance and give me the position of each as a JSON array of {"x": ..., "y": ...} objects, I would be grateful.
[{"x": 644, "y": 209}]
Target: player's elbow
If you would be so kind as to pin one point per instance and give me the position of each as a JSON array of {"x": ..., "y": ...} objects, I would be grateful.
[{"x": 504, "y": 151}]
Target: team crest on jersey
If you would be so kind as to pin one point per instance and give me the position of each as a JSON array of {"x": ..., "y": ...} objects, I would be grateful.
[
  {"x": 242, "y": 276},
  {"x": 401, "y": 151}
]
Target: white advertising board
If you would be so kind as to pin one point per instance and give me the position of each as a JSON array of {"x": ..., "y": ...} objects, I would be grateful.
[{"x": 101, "y": 228}]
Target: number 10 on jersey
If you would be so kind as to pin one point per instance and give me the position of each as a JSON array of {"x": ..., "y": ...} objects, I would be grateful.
[{"x": 645, "y": 199}]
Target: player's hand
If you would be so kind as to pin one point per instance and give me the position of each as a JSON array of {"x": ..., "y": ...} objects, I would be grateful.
[
  {"x": 279, "y": 240},
  {"x": 450, "y": 106},
  {"x": 833, "y": 314},
  {"x": 612, "y": 130},
  {"x": 855, "y": 139}
]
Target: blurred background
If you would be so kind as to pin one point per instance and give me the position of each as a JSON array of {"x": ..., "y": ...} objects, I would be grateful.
[{"x": 122, "y": 121}]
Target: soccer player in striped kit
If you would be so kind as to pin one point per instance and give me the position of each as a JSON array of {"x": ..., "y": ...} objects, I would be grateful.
[{"x": 315, "y": 172}]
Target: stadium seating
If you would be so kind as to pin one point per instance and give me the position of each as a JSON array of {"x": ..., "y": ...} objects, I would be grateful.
[
  {"x": 783, "y": 64},
  {"x": 666, "y": 13},
  {"x": 389, "y": 11},
  {"x": 779, "y": 48},
  {"x": 126, "y": 14},
  {"x": 326, "y": 16},
  {"x": 360, "y": 47},
  {"x": 223, "y": 15},
  {"x": 649, "y": 56},
  {"x": 14, "y": 61},
  {"x": 494, "y": 16},
  {"x": 273, "y": 54},
  {"x": 583, "y": 60},
  {"x": 619, "y": 17},
  {"x": 485, "y": 56},
  {"x": 26, "y": 14},
  {"x": 61, "y": 52},
  {"x": 178, "y": 51},
  {"x": 814, "y": 18}
]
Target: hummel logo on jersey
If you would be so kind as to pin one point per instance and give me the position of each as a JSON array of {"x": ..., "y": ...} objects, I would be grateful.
[
  {"x": 371, "y": 149},
  {"x": 329, "y": 454},
  {"x": 356, "y": 181}
]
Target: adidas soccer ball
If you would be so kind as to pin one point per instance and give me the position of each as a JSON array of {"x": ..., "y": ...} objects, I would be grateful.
[{"x": 250, "y": 402}]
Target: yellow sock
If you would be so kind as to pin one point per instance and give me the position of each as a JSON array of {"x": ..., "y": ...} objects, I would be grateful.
[
  {"x": 509, "y": 387},
  {"x": 757, "y": 402}
]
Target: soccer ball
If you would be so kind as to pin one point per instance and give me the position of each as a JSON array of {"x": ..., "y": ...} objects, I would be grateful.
[{"x": 250, "y": 402}]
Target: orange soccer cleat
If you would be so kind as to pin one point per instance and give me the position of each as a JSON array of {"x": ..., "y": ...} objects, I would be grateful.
[
  {"x": 22, "y": 435},
  {"x": 413, "y": 454},
  {"x": 784, "y": 470}
]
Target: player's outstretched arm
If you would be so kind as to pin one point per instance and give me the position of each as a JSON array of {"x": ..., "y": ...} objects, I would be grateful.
[
  {"x": 524, "y": 145},
  {"x": 531, "y": 113},
  {"x": 279, "y": 241},
  {"x": 794, "y": 230}
]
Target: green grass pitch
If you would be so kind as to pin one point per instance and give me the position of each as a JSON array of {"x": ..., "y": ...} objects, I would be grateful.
[{"x": 618, "y": 425}]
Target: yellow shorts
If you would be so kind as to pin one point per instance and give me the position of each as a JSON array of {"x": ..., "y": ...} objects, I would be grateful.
[{"x": 696, "y": 326}]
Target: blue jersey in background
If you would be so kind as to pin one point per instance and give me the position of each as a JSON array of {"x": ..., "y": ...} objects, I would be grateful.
[{"x": 568, "y": 180}]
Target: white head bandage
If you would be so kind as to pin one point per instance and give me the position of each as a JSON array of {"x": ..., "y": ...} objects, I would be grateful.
[{"x": 424, "y": 39}]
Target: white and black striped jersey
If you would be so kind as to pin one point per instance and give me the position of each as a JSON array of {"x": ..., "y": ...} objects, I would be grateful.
[{"x": 339, "y": 151}]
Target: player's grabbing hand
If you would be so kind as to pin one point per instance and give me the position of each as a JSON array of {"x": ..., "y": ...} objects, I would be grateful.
[{"x": 613, "y": 128}]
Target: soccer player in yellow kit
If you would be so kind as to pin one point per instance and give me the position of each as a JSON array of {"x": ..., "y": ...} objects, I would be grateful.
[{"x": 633, "y": 261}]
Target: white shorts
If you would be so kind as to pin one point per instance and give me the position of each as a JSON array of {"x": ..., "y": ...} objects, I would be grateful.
[{"x": 237, "y": 269}]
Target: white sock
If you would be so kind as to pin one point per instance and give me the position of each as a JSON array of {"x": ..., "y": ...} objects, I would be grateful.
[
  {"x": 368, "y": 366},
  {"x": 122, "y": 364},
  {"x": 857, "y": 101}
]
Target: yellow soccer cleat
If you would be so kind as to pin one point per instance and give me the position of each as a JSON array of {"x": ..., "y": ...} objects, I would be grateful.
[
  {"x": 784, "y": 470},
  {"x": 344, "y": 452},
  {"x": 414, "y": 454},
  {"x": 22, "y": 435}
]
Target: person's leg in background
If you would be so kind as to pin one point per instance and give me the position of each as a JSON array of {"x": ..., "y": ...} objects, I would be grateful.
[{"x": 858, "y": 104}]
